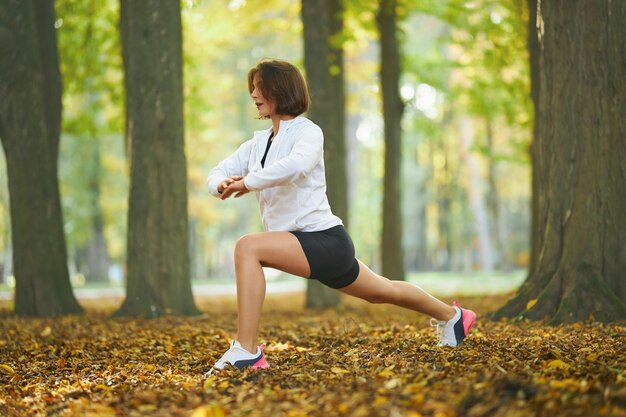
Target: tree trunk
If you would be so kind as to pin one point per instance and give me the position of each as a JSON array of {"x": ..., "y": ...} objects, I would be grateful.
[
  {"x": 475, "y": 196},
  {"x": 499, "y": 235},
  {"x": 533, "y": 54},
  {"x": 439, "y": 176},
  {"x": 580, "y": 252},
  {"x": 393, "y": 108},
  {"x": 158, "y": 279},
  {"x": 415, "y": 209},
  {"x": 323, "y": 60},
  {"x": 30, "y": 121},
  {"x": 97, "y": 253}
]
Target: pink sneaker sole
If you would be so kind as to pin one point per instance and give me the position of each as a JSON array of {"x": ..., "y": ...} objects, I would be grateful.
[{"x": 261, "y": 363}]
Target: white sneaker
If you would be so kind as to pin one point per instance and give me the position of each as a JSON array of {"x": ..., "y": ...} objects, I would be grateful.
[
  {"x": 240, "y": 358},
  {"x": 452, "y": 332}
]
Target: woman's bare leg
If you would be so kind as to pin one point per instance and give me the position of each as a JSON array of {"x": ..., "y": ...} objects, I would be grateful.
[
  {"x": 279, "y": 250},
  {"x": 377, "y": 289}
]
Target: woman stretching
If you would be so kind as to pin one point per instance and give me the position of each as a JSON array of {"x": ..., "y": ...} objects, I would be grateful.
[{"x": 284, "y": 166}]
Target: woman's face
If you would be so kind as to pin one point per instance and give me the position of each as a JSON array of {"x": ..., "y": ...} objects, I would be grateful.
[{"x": 265, "y": 107}]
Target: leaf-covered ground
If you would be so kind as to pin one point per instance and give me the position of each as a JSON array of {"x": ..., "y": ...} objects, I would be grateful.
[{"x": 360, "y": 360}]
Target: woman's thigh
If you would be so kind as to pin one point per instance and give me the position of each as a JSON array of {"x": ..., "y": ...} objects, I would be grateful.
[
  {"x": 278, "y": 250},
  {"x": 369, "y": 286}
]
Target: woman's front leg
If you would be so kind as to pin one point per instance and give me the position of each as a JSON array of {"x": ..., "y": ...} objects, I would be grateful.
[{"x": 279, "y": 250}]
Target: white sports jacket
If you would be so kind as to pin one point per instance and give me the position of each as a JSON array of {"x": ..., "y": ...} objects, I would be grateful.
[{"x": 291, "y": 189}]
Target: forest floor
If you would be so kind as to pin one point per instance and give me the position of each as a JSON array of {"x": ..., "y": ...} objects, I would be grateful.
[{"x": 358, "y": 360}]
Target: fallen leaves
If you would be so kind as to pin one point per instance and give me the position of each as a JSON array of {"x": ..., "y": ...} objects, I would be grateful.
[
  {"x": 359, "y": 361},
  {"x": 6, "y": 369},
  {"x": 558, "y": 364}
]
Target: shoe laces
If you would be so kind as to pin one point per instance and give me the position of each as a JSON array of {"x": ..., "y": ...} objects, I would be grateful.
[
  {"x": 438, "y": 325},
  {"x": 221, "y": 362}
]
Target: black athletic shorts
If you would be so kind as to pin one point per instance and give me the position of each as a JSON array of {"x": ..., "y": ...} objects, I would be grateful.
[{"x": 331, "y": 256}]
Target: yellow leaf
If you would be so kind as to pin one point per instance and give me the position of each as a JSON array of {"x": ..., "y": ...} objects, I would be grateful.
[
  {"x": 351, "y": 352},
  {"x": 338, "y": 370},
  {"x": 208, "y": 411},
  {"x": 380, "y": 400},
  {"x": 558, "y": 364},
  {"x": 531, "y": 304},
  {"x": 393, "y": 383},
  {"x": 296, "y": 413},
  {"x": 46, "y": 332},
  {"x": 6, "y": 369},
  {"x": 208, "y": 383},
  {"x": 387, "y": 371},
  {"x": 146, "y": 408}
]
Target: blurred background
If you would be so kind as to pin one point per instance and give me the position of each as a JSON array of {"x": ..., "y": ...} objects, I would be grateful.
[{"x": 466, "y": 132}]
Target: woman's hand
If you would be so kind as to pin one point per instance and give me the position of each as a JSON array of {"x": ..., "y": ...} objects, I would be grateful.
[
  {"x": 235, "y": 186},
  {"x": 227, "y": 182}
]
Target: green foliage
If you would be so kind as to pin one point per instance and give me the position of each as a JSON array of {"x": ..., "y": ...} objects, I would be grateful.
[
  {"x": 92, "y": 168},
  {"x": 91, "y": 65},
  {"x": 460, "y": 58}
]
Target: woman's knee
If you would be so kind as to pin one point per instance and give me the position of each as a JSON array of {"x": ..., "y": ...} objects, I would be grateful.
[{"x": 247, "y": 245}]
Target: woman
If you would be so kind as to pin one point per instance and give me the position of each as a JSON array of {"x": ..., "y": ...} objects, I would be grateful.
[{"x": 284, "y": 165}]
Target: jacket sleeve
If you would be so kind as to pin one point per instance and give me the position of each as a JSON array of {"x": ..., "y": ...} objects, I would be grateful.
[
  {"x": 235, "y": 164},
  {"x": 307, "y": 151}
]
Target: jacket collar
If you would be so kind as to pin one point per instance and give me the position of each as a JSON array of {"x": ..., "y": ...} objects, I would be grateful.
[{"x": 283, "y": 127}]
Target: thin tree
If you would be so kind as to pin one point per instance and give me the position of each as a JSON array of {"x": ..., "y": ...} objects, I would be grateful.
[
  {"x": 30, "y": 127},
  {"x": 579, "y": 211},
  {"x": 323, "y": 60},
  {"x": 393, "y": 108},
  {"x": 158, "y": 279}
]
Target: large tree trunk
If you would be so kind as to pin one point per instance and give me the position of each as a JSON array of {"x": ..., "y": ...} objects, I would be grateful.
[
  {"x": 335, "y": 153},
  {"x": 30, "y": 121},
  {"x": 579, "y": 255},
  {"x": 475, "y": 195},
  {"x": 97, "y": 253},
  {"x": 158, "y": 279},
  {"x": 443, "y": 193},
  {"x": 393, "y": 108},
  {"x": 323, "y": 60},
  {"x": 499, "y": 233},
  {"x": 533, "y": 55},
  {"x": 415, "y": 209}
]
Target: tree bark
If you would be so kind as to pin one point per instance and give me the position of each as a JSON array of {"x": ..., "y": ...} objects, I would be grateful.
[
  {"x": 97, "y": 253},
  {"x": 393, "y": 108},
  {"x": 158, "y": 279},
  {"x": 533, "y": 54},
  {"x": 475, "y": 195},
  {"x": 323, "y": 60},
  {"x": 578, "y": 157},
  {"x": 30, "y": 122},
  {"x": 499, "y": 233}
]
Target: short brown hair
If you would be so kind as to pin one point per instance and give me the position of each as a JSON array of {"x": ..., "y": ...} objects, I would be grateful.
[{"x": 282, "y": 83}]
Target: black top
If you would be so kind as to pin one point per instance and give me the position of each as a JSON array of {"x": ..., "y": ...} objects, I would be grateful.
[{"x": 269, "y": 143}]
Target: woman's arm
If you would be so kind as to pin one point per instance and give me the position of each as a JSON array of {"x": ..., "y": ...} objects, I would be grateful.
[{"x": 230, "y": 169}]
